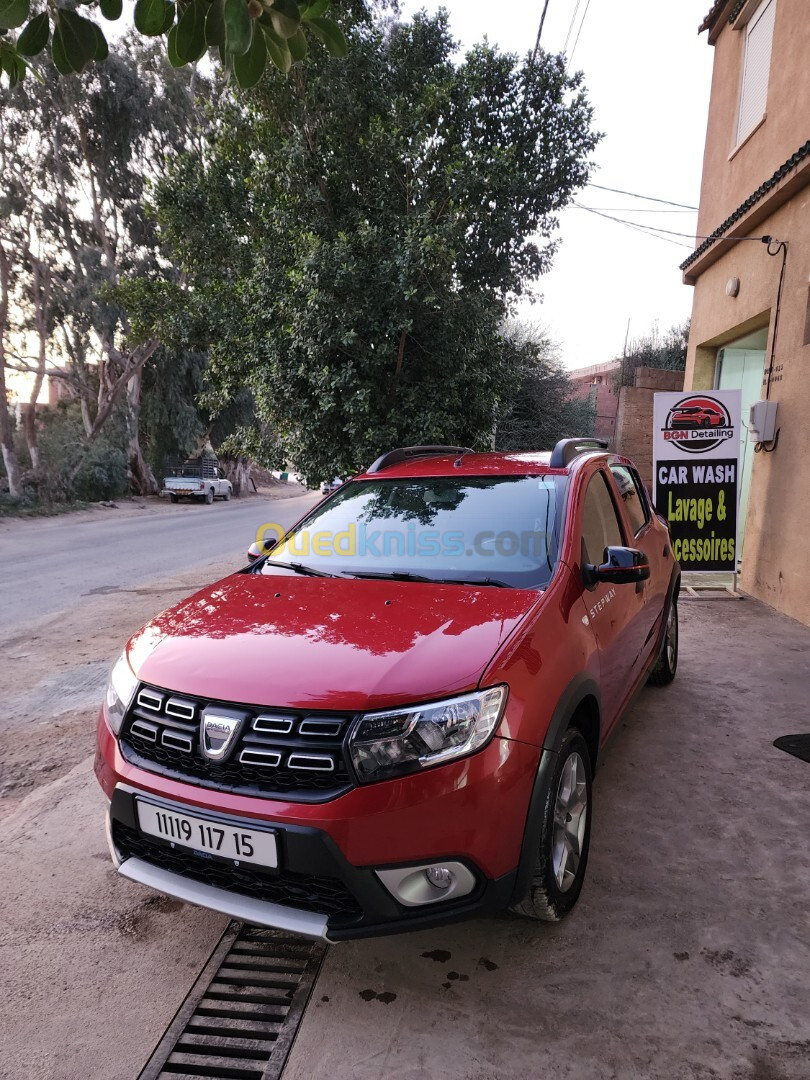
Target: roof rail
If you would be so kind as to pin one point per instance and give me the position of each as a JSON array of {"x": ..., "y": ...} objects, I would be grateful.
[
  {"x": 406, "y": 453},
  {"x": 567, "y": 449}
]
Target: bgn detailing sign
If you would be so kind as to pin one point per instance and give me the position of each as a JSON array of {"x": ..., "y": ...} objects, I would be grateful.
[{"x": 696, "y": 465}]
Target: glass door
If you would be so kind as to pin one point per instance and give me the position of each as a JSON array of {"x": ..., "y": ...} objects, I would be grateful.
[{"x": 741, "y": 369}]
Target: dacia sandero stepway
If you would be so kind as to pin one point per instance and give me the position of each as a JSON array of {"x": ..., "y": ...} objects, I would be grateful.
[{"x": 391, "y": 718}]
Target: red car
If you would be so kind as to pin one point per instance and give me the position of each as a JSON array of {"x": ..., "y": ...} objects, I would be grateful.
[
  {"x": 690, "y": 416},
  {"x": 392, "y": 719}
]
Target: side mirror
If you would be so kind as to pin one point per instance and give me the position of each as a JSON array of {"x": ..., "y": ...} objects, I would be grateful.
[
  {"x": 621, "y": 566},
  {"x": 255, "y": 551}
]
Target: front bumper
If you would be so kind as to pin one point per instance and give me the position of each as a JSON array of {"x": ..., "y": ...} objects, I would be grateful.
[
  {"x": 325, "y": 896},
  {"x": 472, "y": 812}
]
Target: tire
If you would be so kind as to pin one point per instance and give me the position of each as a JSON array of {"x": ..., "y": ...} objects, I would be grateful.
[
  {"x": 209, "y": 496},
  {"x": 174, "y": 497},
  {"x": 227, "y": 495},
  {"x": 563, "y": 852},
  {"x": 664, "y": 671}
]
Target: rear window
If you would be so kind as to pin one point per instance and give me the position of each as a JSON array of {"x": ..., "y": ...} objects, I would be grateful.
[{"x": 442, "y": 528}]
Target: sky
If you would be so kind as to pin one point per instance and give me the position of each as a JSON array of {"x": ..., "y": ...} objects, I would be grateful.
[{"x": 648, "y": 75}]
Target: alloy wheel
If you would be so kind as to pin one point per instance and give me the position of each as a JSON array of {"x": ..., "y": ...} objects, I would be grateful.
[
  {"x": 672, "y": 636},
  {"x": 570, "y": 819}
]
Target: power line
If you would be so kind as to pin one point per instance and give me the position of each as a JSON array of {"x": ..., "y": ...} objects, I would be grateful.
[
  {"x": 655, "y": 229},
  {"x": 571, "y": 25},
  {"x": 643, "y": 210},
  {"x": 643, "y": 229},
  {"x": 576, "y": 40},
  {"x": 648, "y": 198}
]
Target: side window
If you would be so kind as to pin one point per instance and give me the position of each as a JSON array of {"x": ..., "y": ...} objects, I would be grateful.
[
  {"x": 600, "y": 526},
  {"x": 633, "y": 497},
  {"x": 756, "y": 68}
]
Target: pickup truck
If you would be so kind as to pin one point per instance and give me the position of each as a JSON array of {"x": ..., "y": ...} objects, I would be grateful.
[{"x": 197, "y": 478}]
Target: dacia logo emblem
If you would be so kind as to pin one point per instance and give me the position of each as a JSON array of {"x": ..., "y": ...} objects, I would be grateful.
[{"x": 218, "y": 733}]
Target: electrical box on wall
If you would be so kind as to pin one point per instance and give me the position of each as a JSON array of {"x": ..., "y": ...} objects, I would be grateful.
[{"x": 762, "y": 421}]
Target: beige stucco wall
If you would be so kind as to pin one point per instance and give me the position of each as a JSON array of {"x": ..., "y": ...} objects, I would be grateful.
[
  {"x": 776, "y": 564},
  {"x": 775, "y": 553},
  {"x": 727, "y": 183}
]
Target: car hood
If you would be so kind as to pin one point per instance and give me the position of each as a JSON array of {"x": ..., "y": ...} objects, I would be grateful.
[{"x": 326, "y": 643}]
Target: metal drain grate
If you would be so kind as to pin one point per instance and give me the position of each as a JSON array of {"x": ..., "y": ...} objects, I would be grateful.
[{"x": 241, "y": 1016}]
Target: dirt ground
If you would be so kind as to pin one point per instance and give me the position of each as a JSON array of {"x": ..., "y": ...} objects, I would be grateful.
[
  {"x": 53, "y": 669},
  {"x": 52, "y": 678}
]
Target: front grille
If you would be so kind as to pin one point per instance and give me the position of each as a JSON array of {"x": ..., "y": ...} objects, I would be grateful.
[
  {"x": 326, "y": 896},
  {"x": 299, "y": 756}
]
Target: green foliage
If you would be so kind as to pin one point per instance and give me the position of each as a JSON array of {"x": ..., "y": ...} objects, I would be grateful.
[
  {"x": 540, "y": 409},
  {"x": 654, "y": 349},
  {"x": 72, "y": 470},
  {"x": 353, "y": 237},
  {"x": 35, "y": 36},
  {"x": 239, "y": 28}
]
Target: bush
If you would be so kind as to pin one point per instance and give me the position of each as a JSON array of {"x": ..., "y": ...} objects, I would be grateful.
[{"x": 71, "y": 470}]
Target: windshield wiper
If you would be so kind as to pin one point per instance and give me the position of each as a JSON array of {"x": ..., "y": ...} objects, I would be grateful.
[
  {"x": 476, "y": 581},
  {"x": 386, "y": 575},
  {"x": 299, "y": 568},
  {"x": 404, "y": 575}
]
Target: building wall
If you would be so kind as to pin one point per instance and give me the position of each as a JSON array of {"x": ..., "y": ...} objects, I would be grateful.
[
  {"x": 774, "y": 559},
  {"x": 731, "y": 174},
  {"x": 634, "y": 418},
  {"x": 598, "y": 380}
]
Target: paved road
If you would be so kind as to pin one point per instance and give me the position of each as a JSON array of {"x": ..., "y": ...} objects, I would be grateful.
[{"x": 46, "y": 565}]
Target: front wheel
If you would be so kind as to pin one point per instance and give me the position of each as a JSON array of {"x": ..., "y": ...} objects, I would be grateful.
[
  {"x": 664, "y": 671},
  {"x": 173, "y": 497},
  {"x": 565, "y": 836},
  {"x": 227, "y": 494}
]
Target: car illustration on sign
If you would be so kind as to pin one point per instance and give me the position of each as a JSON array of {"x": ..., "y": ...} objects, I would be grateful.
[
  {"x": 697, "y": 424},
  {"x": 689, "y": 416}
]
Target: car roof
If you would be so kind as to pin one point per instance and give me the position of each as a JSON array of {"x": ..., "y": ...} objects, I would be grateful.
[{"x": 525, "y": 463}]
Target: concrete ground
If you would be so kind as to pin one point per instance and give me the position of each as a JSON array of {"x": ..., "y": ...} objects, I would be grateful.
[{"x": 688, "y": 955}]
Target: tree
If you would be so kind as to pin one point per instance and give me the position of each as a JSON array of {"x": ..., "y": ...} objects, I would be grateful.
[
  {"x": 246, "y": 32},
  {"x": 78, "y": 161},
  {"x": 355, "y": 234},
  {"x": 542, "y": 409},
  {"x": 10, "y": 461}
]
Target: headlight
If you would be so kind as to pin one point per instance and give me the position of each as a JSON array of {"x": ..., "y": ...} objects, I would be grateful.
[
  {"x": 385, "y": 744},
  {"x": 120, "y": 689}
]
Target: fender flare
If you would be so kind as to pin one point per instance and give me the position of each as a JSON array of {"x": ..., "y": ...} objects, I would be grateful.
[{"x": 580, "y": 687}]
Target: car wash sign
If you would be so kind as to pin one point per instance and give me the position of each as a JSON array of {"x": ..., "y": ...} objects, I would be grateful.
[{"x": 696, "y": 466}]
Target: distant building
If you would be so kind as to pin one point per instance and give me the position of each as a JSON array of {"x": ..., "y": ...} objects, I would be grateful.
[
  {"x": 756, "y": 183},
  {"x": 597, "y": 381}
]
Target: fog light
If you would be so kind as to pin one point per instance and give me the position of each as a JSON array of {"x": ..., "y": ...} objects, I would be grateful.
[
  {"x": 440, "y": 876},
  {"x": 428, "y": 883}
]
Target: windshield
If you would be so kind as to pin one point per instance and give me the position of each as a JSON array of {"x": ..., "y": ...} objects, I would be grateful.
[{"x": 497, "y": 530}]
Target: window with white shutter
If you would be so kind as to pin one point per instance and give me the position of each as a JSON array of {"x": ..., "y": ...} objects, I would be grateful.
[{"x": 756, "y": 68}]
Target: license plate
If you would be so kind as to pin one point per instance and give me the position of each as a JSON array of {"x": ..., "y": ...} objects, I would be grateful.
[{"x": 221, "y": 838}]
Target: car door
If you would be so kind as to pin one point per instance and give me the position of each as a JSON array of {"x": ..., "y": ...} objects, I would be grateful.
[
  {"x": 613, "y": 611},
  {"x": 638, "y": 520}
]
